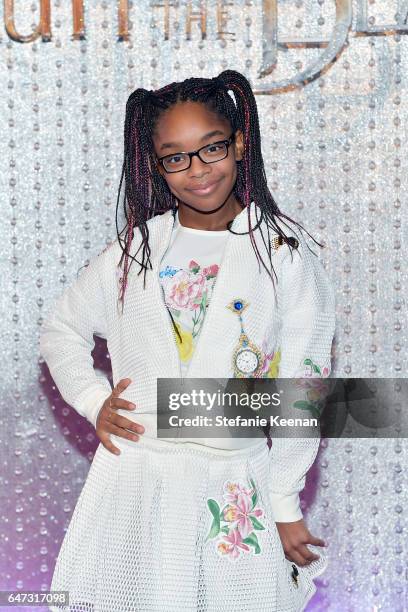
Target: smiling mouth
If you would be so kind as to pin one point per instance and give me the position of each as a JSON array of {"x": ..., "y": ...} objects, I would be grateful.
[{"x": 205, "y": 190}]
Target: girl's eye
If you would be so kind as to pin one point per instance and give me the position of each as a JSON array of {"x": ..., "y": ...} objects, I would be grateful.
[
  {"x": 214, "y": 148},
  {"x": 175, "y": 159}
]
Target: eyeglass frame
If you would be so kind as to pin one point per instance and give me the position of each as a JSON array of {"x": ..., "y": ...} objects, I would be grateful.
[{"x": 227, "y": 143}]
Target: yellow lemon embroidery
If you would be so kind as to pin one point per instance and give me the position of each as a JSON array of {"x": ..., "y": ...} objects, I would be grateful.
[
  {"x": 273, "y": 371},
  {"x": 185, "y": 348}
]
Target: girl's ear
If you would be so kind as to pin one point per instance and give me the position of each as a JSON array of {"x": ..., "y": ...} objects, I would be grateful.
[{"x": 239, "y": 145}]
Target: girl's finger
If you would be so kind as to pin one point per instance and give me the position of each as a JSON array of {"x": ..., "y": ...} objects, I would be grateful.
[
  {"x": 307, "y": 554},
  {"x": 316, "y": 541},
  {"x": 121, "y": 386},
  {"x": 117, "y": 402},
  {"x": 109, "y": 446},
  {"x": 297, "y": 558},
  {"x": 122, "y": 433},
  {"x": 122, "y": 421}
]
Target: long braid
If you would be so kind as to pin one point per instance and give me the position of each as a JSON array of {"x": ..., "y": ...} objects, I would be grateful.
[{"x": 146, "y": 191}]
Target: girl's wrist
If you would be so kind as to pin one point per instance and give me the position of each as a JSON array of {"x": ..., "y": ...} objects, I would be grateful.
[{"x": 286, "y": 507}]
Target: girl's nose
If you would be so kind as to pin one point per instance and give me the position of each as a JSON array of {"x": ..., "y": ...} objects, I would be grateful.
[{"x": 197, "y": 167}]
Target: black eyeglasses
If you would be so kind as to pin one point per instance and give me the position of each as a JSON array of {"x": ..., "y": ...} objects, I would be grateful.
[{"x": 177, "y": 162}]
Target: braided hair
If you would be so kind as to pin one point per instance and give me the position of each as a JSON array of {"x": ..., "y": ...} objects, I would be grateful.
[{"x": 146, "y": 191}]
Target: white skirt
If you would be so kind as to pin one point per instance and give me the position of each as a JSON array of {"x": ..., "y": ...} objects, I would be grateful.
[{"x": 181, "y": 528}]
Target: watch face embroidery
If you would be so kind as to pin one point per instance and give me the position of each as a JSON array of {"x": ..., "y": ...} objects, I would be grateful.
[
  {"x": 247, "y": 358},
  {"x": 235, "y": 524}
]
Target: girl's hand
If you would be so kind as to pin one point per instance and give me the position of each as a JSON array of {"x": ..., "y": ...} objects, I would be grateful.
[
  {"x": 109, "y": 422},
  {"x": 294, "y": 537}
]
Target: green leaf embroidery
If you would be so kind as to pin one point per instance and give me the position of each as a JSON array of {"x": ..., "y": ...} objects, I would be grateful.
[
  {"x": 214, "y": 531},
  {"x": 316, "y": 368},
  {"x": 257, "y": 524},
  {"x": 303, "y": 405},
  {"x": 203, "y": 301},
  {"x": 255, "y": 494},
  {"x": 252, "y": 540},
  {"x": 215, "y": 511},
  {"x": 214, "y": 508},
  {"x": 316, "y": 411},
  {"x": 311, "y": 407},
  {"x": 308, "y": 362}
]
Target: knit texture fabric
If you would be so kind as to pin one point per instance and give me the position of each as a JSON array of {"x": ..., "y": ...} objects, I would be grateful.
[
  {"x": 144, "y": 539},
  {"x": 297, "y": 327},
  {"x": 293, "y": 330}
]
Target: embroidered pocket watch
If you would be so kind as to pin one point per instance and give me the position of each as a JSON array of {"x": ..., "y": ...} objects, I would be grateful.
[{"x": 247, "y": 358}]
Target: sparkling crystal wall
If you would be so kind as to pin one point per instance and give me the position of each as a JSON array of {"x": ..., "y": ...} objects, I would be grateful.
[{"x": 333, "y": 122}]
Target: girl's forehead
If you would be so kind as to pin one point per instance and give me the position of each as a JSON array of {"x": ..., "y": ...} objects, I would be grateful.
[
  {"x": 188, "y": 116},
  {"x": 187, "y": 123}
]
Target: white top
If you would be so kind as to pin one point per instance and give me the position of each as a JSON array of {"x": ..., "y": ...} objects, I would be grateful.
[
  {"x": 290, "y": 329},
  {"x": 188, "y": 272}
]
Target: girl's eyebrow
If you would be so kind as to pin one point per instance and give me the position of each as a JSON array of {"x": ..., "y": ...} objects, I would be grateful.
[{"x": 169, "y": 145}]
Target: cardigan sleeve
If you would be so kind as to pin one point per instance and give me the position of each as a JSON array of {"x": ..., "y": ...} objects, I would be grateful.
[
  {"x": 66, "y": 342},
  {"x": 306, "y": 304}
]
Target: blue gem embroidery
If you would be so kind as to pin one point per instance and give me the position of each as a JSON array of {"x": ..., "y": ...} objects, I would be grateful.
[{"x": 237, "y": 305}]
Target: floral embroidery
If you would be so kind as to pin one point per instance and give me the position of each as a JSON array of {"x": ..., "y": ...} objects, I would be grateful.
[
  {"x": 186, "y": 294},
  {"x": 270, "y": 367},
  {"x": 312, "y": 380},
  {"x": 311, "y": 370},
  {"x": 234, "y": 524},
  {"x": 188, "y": 290},
  {"x": 271, "y": 364}
]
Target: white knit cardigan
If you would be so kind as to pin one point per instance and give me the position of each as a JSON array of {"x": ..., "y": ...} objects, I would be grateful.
[{"x": 299, "y": 320}]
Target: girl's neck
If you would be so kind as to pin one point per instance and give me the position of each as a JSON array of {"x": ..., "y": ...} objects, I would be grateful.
[{"x": 210, "y": 222}]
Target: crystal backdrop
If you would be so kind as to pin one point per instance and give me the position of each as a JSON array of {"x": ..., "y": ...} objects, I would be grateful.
[{"x": 333, "y": 124}]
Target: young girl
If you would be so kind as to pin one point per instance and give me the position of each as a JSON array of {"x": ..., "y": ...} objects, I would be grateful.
[{"x": 230, "y": 289}]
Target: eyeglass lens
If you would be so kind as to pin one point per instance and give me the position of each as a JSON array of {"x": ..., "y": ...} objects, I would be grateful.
[{"x": 180, "y": 161}]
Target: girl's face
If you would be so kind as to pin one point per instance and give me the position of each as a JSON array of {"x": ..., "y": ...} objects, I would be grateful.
[{"x": 188, "y": 126}]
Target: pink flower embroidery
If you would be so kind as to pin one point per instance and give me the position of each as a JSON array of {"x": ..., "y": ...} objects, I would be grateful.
[
  {"x": 210, "y": 271},
  {"x": 243, "y": 511},
  {"x": 187, "y": 288},
  {"x": 237, "y": 522},
  {"x": 233, "y": 489},
  {"x": 186, "y": 291},
  {"x": 193, "y": 265},
  {"x": 233, "y": 544}
]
